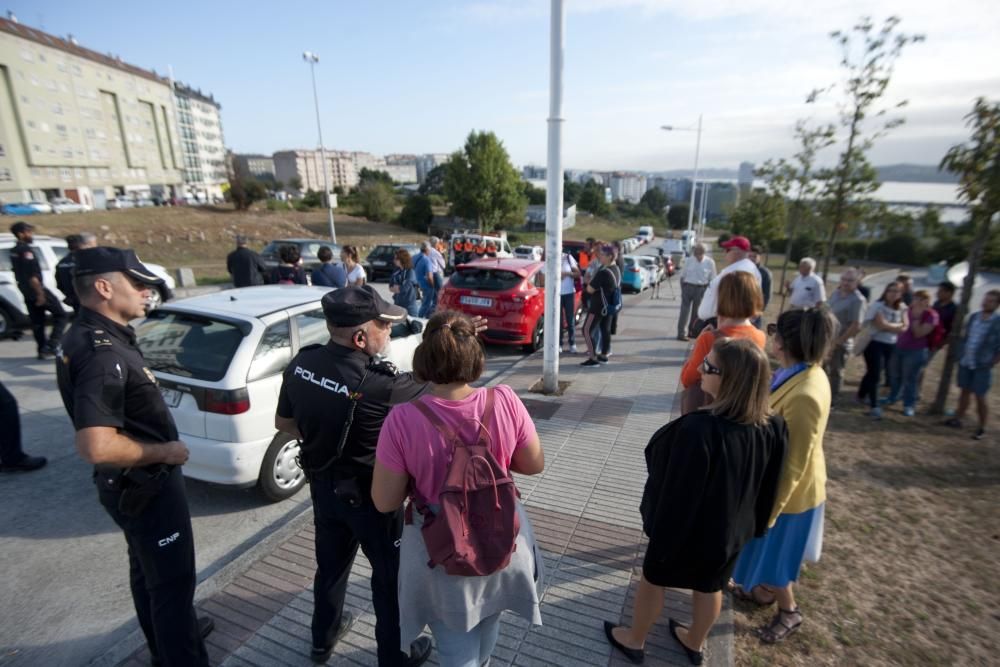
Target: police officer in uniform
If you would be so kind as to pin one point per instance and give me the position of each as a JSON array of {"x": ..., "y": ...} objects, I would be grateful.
[
  {"x": 334, "y": 398},
  {"x": 125, "y": 429},
  {"x": 37, "y": 299},
  {"x": 66, "y": 265}
]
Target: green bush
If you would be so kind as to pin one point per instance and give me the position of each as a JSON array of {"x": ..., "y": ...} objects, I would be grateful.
[{"x": 278, "y": 205}]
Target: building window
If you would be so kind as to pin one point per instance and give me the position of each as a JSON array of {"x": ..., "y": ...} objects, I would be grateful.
[
  {"x": 3, "y": 151},
  {"x": 27, "y": 56},
  {"x": 62, "y": 131},
  {"x": 57, "y": 109},
  {"x": 5, "y": 175}
]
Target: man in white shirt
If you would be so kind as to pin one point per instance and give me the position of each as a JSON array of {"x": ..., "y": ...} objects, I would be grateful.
[
  {"x": 737, "y": 259},
  {"x": 696, "y": 274},
  {"x": 807, "y": 289}
]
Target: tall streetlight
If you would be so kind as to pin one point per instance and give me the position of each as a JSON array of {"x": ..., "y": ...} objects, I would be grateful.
[
  {"x": 312, "y": 59},
  {"x": 694, "y": 179}
]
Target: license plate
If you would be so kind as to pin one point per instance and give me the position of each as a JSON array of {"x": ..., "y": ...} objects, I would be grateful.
[
  {"x": 171, "y": 397},
  {"x": 476, "y": 301}
]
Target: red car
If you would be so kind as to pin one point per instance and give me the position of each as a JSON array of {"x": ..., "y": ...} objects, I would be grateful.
[{"x": 508, "y": 293}]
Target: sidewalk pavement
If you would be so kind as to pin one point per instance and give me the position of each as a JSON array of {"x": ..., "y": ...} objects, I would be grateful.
[{"x": 584, "y": 509}]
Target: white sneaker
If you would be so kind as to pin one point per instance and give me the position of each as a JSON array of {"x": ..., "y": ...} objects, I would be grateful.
[
  {"x": 562, "y": 349},
  {"x": 572, "y": 349}
]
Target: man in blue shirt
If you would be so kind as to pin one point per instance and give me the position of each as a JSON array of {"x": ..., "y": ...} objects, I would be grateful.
[
  {"x": 980, "y": 353},
  {"x": 328, "y": 274},
  {"x": 429, "y": 277}
]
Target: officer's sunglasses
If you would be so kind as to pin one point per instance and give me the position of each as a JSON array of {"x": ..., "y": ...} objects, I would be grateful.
[{"x": 708, "y": 368}]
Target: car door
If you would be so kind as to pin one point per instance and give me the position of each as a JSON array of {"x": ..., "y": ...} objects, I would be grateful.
[{"x": 271, "y": 357}]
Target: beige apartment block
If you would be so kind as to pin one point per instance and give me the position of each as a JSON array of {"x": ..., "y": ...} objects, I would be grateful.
[
  {"x": 306, "y": 165},
  {"x": 80, "y": 124}
]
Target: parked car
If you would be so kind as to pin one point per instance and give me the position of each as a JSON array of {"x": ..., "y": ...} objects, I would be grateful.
[
  {"x": 378, "y": 263},
  {"x": 645, "y": 234},
  {"x": 64, "y": 205},
  {"x": 41, "y": 206},
  {"x": 218, "y": 359},
  {"x": 307, "y": 250},
  {"x": 120, "y": 203},
  {"x": 144, "y": 202},
  {"x": 507, "y": 293},
  {"x": 635, "y": 277},
  {"x": 19, "y": 209},
  {"x": 533, "y": 252},
  {"x": 49, "y": 250}
]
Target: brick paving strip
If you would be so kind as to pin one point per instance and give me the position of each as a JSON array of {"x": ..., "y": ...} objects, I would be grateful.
[{"x": 584, "y": 509}]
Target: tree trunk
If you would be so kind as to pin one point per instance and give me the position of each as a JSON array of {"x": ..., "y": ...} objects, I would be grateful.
[
  {"x": 954, "y": 338},
  {"x": 838, "y": 214}
]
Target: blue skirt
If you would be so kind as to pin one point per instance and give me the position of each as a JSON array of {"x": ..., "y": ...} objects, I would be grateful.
[{"x": 776, "y": 558}]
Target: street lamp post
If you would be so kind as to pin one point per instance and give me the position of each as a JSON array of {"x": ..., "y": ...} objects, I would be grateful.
[
  {"x": 312, "y": 59},
  {"x": 694, "y": 179}
]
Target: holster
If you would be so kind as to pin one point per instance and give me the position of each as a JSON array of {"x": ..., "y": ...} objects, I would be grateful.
[{"x": 139, "y": 487}]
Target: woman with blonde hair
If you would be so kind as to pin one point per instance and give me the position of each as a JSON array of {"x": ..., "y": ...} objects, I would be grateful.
[
  {"x": 413, "y": 459},
  {"x": 713, "y": 474},
  {"x": 800, "y": 393}
]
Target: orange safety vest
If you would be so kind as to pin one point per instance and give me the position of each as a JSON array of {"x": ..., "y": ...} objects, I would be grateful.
[
  {"x": 480, "y": 248},
  {"x": 584, "y": 260},
  {"x": 469, "y": 247},
  {"x": 458, "y": 246}
]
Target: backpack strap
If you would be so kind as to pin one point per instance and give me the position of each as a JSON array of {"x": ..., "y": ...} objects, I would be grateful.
[
  {"x": 484, "y": 423},
  {"x": 445, "y": 430}
]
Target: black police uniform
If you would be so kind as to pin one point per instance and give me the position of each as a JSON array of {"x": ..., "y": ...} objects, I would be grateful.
[
  {"x": 318, "y": 389},
  {"x": 64, "y": 281},
  {"x": 104, "y": 381},
  {"x": 25, "y": 264}
]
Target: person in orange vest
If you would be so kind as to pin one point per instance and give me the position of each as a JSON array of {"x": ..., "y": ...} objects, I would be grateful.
[
  {"x": 481, "y": 247},
  {"x": 469, "y": 246},
  {"x": 491, "y": 249}
]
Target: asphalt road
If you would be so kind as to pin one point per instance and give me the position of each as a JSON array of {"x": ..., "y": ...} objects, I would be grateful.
[{"x": 65, "y": 598}]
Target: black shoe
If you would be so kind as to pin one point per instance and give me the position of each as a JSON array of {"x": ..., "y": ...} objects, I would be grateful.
[
  {"x": 635, "y": 655},
  {"x": 695, "y": 657},
  {"x": 603, "y": 358},
  {"x": 321, "y": 655},
  {"x": 26, "y": 464},
  {"x": 420, "y": 650},
  {"x": 46, "y": 354},
  {"x": 591, "y": 362}
]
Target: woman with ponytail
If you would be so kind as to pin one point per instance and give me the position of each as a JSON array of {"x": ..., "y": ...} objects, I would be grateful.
[
  {"x": 413, "y": 459},
  {"x": 800, "y": 392}
]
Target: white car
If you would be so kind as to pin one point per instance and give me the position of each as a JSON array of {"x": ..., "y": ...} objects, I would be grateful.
[
  {"x": 532, "y": 252},
  {"x": 218, "y": 359},
  {"x": 120, "y": 203},
  {"x": 64, "y": 205},
  {"x": 40, "y": 206},
  {"x": 657, "y": 274},
  {"x": 645, "y": 234},
  {"x": 49, "y": 250}
]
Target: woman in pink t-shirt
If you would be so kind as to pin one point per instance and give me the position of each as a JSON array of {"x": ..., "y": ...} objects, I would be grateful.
[{"x": 462, "y": 612}]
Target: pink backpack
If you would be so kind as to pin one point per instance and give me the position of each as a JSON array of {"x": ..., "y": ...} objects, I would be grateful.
[{"x": 474, "y": 532}]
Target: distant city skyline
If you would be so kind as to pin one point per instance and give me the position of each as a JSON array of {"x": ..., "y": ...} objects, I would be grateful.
[{"x": 407, "y": 78}]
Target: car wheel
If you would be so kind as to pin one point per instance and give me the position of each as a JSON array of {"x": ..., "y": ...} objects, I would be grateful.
[
  {"x": 7, "y": 326},
  {"x": 536, "y": 336},
  {"x": 280, "y": 474}
]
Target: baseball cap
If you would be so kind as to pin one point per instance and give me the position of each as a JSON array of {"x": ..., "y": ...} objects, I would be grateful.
[
  {"x": 19, "y": 227},
  {"x": 350, "y": 306},
  {"x": 741, "y": 242},
  {"x": 104, "y": 259}
]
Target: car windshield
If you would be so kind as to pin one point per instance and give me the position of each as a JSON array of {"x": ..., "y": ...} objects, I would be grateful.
[
  {"x": 383, "y": 250},
  {"x": 629, "y": 261},
  {"x": 493, "y": 280},
  {"x": 188, "y": 345}
]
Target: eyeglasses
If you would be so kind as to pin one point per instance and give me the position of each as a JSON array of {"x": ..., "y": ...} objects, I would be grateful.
[{"x": 708, "y": 369}]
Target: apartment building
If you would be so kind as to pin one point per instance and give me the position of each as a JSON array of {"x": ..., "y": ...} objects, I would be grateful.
[
  {"x": 81, "y": 124},
  {"x": 306, "y": 166},
  {"x": 425, "y": 163},
  {"x": 257, "y": 167},
  {"x": 199, "y": 124},
  {"x": 627, "y": 186}
]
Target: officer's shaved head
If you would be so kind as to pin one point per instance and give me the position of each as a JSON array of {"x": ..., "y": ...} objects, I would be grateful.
[{"x": 84, "y": 286}]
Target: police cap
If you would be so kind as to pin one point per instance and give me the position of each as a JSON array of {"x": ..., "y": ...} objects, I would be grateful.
[
  {"x": 20, "y": 226},
  {"x": 350, "y": 306},
  {"x": 103, "y": 259}
]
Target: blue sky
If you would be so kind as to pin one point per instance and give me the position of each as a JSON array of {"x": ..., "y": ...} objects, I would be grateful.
[{"x": 418, "y": 76}]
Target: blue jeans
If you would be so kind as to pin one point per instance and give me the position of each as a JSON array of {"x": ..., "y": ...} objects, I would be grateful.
[
  {"x": 466, "y": 649},
  {"x": 904, "y": 372},
  {"x": 428, "y": 304},
  {"x": 568, "y": 315}
]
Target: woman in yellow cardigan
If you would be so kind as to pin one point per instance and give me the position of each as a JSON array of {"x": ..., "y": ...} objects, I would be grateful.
[{"x": 800, "y": 393}]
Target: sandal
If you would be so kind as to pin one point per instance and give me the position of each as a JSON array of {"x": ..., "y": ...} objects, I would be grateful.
[
  {"x": 742, "y": 594},
  {"x": 778, "y": 631}
]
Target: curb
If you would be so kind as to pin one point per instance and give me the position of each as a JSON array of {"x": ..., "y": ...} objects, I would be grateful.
[{"x": 217, "y": 576}]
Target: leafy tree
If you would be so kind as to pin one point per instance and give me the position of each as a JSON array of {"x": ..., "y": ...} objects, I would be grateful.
[
  {"x": 677, "y": 216},
  {"x": 295, "y": 183},
  {"x": 592, "y": 199},
  {"x": 760, "y": 217},
  {"x": 312, "y": 199},
  {"x": 433, "y": 182},
  {"x": 536, "y": 196},
  {"x": 869, "y": 68},
  {"x": 373, "y": 176},
  {"x": 655, "y": 200},
  {"x": 417, "y": 213},
  {"x": 571, "y": 191},
  {"x": 978, "y": 167},
  {"x": 339, "y": 190},
  {"x": 277, "y": 185},
  {"x": 482, "y": 184},
  {"x": 377, "y": 200}
]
